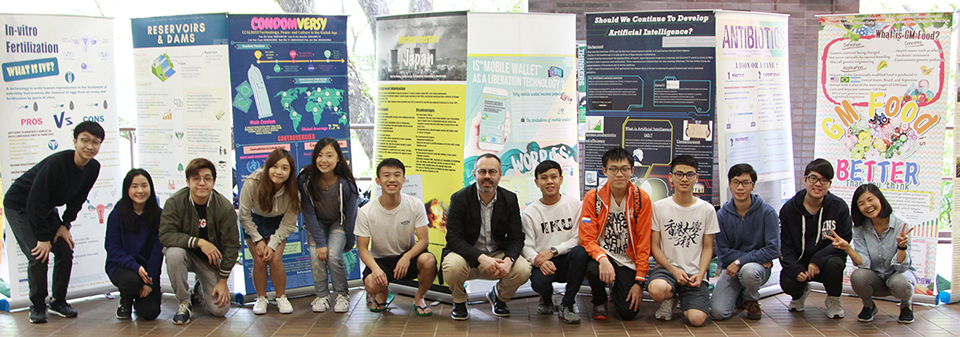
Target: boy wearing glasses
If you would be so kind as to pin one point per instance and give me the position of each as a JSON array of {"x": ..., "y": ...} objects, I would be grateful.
[
  {"x": 682, "y": 244},
  {"x": 63, "y": 178},
  {"x": 484, "y": 240},
  {"x": 198, "y": 228},
  {"x": 805, "y": 254},
  {"x": 748, "y": 241},
  {"x": 615, "y": 232}
]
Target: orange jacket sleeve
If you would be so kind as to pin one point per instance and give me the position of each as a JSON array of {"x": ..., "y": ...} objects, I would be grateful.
[
  {"x": 641, "y": 234},
  {"x": 590, "y": 226}
]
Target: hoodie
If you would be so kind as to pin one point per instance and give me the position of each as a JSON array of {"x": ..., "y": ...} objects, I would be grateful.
[
  {"x": 801, "y": 233},
  {"x": 310, "y": 209},
  {"x": 639, "y": 212},
  {"x": 754, "y": 237}
]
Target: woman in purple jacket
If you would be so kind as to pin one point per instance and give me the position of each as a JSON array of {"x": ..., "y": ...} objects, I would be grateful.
[{"x": 133, "y": 247}]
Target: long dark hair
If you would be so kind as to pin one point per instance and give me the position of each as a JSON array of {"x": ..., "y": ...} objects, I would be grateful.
[
  {"x": 265, "y": 190},
  {"x": 151, "y": 210},
  {"x": 342, "y": 170},
  {"x": 856, "y": 215}
]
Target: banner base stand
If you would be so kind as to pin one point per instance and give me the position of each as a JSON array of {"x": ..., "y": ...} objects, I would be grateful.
[{"x": 848, "y": 291}]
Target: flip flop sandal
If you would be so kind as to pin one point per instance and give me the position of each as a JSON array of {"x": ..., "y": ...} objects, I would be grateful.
[
  {"x": 420, "y": 310},
  {"x": 385, "y": 304}
]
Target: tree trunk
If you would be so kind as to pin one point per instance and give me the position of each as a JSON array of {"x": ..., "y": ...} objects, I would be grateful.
[{"x": 297, "y": 6}]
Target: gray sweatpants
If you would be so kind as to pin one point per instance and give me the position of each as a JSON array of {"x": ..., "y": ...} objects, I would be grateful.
[{"x": 179, "y": 262}]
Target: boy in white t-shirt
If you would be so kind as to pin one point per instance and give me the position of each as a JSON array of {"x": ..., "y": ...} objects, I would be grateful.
[
  {"x": 385, "y": 229},
  {"x": 682, "y": 244},
  {"x": 552, "y": 243}
]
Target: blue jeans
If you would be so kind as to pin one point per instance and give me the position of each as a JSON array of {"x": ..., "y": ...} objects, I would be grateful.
[
  {"x": 744, "y": 287},
  {"x": 336, "y": 239}
]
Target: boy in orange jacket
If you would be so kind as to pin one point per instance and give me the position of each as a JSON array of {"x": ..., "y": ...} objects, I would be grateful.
[{"x": 615, "y": 224}]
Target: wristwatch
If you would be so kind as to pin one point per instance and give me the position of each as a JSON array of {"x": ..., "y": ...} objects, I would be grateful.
[
  {"x": 737, "y": 263},
  {"x": 554, "y": 251}
]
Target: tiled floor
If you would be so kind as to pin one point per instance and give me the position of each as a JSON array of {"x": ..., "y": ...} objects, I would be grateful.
[{"x": 97, "y": 319}]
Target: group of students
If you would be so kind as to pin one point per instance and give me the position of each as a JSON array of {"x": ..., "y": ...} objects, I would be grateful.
[{"x": 607, "y": 239}]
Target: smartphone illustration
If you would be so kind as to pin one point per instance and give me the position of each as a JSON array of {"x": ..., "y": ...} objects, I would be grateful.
[{"x": 493, "y": 117}]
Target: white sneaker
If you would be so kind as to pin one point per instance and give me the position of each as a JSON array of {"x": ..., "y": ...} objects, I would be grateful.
[
  {"x": 284, "y": 305},
  {"x": 834, "y": 310},
  {"x": 665, "y": 312},
  {"x": 797, "y": 305},
  {"x": 260, "y": 307},
  {"x": 343, "y": 304},
  {"x": 320, "y": 304}
]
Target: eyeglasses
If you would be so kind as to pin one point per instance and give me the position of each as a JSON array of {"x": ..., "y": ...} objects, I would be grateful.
[
  {"x": 681, "y": 175},
  {"x": 815, "y": 179},
  {"x": 738, "y": 183},
  {"x": 483, "y": 172},
  {"x": 88, "y": 141},
  {"x": 197, "y": 180},
  {"x": 618, "y": 170}
]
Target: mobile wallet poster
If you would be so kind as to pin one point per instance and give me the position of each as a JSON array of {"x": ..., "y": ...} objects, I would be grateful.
[
  {"x": 183, "y": 106},
  {"x": 422, "y": 69},
  {"x": 521, "y": 99},
  {"x": 651, "y": 79},
  {"x": 58, "y": 71},
  {"x": 753, "y": 102},
  {"x": 882, "y": 99},
  {"x": 288, "y": 89}
]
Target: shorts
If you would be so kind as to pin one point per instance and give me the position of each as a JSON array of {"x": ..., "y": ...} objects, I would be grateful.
[
  {"x": 690, "y": 298},
  {"x": 265, "y": 226},
  {"x": 388, "y": 264}
]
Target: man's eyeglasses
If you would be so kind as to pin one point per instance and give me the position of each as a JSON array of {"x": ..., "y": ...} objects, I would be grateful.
[
  {"x": 618, "y": 170},
  {"x": 738, "y": 183},
  {"x": 815, "y": 179},
  {"x": 483, "y": 172},
  {"x": 688, "y": 175},
  {"x": 197, "y": 180},
  {"x": 88, "y": 141}
]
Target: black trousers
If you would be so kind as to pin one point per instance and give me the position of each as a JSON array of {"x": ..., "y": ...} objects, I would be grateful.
[
  {"x": 129, "y": 283},
  {"x": 831, "y": 276},
  {"x": 625, "y": 279},
  {"x": 570, "y": 269},
  {"x": 36, "y": 270}
]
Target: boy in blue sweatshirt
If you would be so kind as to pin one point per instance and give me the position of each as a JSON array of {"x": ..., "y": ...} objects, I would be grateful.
[{"x": 748, "y": 241}]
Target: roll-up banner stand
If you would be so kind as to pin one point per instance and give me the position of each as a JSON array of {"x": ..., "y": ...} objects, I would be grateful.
[
  {"x": 882, "y": 100},
  {"x": 438, "y": 70},
  {"x": 58, "y": 71}
]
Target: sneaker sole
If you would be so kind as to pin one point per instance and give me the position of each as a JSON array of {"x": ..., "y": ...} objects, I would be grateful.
[
  {"x": 455, "y": 318},
  {"x": 38, "y": 321},
  {"x": 904, "y": 322},
  {"x": 60, "y": 314},
  {"x": 285, "y": 312},
  {"x": 865, "y": 320},
  {"x": 601, "y": 318},
  {"x": 181, "y": 323},
  {"x": 123, "y": 318}
]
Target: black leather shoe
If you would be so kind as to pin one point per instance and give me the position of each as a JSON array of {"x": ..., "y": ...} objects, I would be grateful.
[
  {"x": 38, "y": 314},
  {"x": 62, "y": 308},
  {"x": 499, "y": 307},
  {"x": 460, "y": 312},
  {"x": 125, "y": 309}
]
